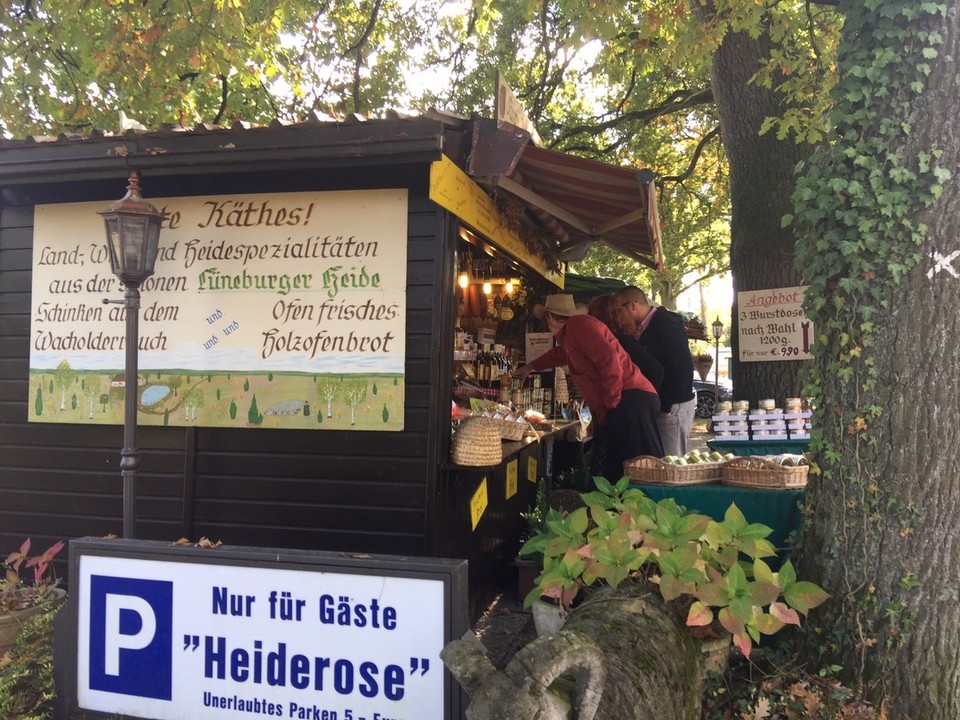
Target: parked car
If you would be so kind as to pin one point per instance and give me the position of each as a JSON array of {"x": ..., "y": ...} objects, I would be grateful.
[{"x": 707, "y": 399}]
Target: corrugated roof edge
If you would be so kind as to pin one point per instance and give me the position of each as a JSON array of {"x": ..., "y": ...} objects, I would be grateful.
[
  {"x": 175, "y": 149},
  {"x": 313, "y": 120}
]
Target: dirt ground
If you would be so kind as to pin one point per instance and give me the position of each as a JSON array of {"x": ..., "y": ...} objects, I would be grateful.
[{"x": 504, "y": 628}]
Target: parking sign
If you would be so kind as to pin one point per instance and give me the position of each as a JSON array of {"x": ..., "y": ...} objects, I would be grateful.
[{"x": 175, "y": 633}]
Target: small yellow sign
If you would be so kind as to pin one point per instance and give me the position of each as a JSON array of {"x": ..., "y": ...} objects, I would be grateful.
[
  {"x": 532, "y": 469},
  {"x": 512, "y": 478},
  {"x": 478, "y": 504}
]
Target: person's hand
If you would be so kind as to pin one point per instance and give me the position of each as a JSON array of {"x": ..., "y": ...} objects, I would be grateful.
[{"x": 521, "y": 373}]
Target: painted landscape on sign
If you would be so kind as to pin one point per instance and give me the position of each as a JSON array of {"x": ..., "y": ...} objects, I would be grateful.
[{"x": 235, "y": 399}]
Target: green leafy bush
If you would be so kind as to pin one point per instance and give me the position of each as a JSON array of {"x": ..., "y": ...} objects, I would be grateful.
[{"x": 714, "y": 570}]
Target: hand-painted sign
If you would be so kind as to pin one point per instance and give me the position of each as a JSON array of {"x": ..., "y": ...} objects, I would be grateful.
[
  {"x": 167, "y": 637},
  {"x": 773, "y": 325},
  {"x": 478, "y": 504},
  {"x": 283, "y": 310},
  {"x": 510, "y": 488}
]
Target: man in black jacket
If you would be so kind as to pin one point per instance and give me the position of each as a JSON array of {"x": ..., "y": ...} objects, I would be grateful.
[{"x": 663, "y": 335}]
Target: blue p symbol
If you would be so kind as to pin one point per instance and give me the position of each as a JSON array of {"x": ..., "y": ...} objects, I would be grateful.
[{"x": 131, "y": 636}]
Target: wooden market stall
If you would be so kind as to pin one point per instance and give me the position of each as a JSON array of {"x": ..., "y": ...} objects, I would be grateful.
[{"x": 297, "y": 349}]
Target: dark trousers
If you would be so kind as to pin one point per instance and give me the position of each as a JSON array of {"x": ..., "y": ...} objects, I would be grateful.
[{"x": 631, "y": 430}]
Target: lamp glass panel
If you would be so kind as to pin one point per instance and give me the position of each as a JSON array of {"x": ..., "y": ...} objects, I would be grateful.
[
  {"x": 153, "y": 246},
  {"x": 134, "y": 233},
  {"x": 112, "y": 226}
]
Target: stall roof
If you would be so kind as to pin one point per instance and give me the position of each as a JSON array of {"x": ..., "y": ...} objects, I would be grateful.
[
  {"x": 594, "y": 202},
  {"x": 578, "y": 201}
]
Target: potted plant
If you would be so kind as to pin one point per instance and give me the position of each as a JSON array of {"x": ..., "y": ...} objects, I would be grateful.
[
  {"x": 528, "y": 567},
  {"x": 21, "y": 599},
  {"x": 712, "y": 572},
  {"x": 703, "y": 361}
]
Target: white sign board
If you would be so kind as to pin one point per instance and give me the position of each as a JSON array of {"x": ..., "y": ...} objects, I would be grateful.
[
  {"x": 297, "y": 299},
  {"x": 171, "y": 640},
  {"x": 536, "y": 344},
  {"x": 773, "y": 326}
]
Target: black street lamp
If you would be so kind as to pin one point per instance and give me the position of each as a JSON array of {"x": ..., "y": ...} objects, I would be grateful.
[
  {"x": 133, "y": 238},
  {"x": 717, "y": 328}
]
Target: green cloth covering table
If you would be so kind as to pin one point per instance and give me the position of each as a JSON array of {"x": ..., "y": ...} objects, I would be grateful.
[
  {"x": 777, "y": 509},
  {"x": 759, "y": 447}
]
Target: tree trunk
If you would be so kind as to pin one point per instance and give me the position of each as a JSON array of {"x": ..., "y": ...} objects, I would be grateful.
[
  {"x": 883, "y": 532},
  {"x": 761, "y": 185},
  {"x": 622, "y": 655}
]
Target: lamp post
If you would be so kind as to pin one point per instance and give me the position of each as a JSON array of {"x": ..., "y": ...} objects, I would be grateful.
[
  {"x": 133, "y": 238},
  {"x": 717, "y": 328}
]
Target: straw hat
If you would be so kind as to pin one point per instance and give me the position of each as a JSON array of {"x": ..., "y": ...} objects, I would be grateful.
[{"x": 561, "y": 304}]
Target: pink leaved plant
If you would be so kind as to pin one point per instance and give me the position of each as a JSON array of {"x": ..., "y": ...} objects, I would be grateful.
[{"x": 18, "y": 593}]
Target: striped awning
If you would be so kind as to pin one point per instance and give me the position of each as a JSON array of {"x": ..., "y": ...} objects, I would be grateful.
[{"x": 583, "y": 201}]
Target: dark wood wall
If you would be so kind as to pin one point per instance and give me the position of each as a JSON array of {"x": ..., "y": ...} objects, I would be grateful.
[{"x": 331, "y": 490}]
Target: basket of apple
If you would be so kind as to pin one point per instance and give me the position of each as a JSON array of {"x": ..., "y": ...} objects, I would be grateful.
[
  {"x": 697, "y": 467},
  {"x": 775, "y": 472}
]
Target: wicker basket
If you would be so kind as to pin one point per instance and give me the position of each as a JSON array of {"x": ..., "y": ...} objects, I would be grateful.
[
  {"x": 510, "y": 429},
  {"x": 653, "y": 471},
  {"x": 758, "y": 472},
  {"x": 477, "y": 443}
]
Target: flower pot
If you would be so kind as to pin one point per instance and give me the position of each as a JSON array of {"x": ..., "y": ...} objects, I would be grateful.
[
  {"x": 703, "y": 365},
  {"x": 526, "y": 575},
  {"x": 548, "y": 617},
  {"x": 12, "y": 622}
]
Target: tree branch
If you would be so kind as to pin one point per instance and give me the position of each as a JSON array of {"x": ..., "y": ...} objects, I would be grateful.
[
  {"x": 223, "y": 100},
  {"x": 374, "y": 14},
  {"x": 676, "y": 102},
  {"x": 693, "y": 160}
]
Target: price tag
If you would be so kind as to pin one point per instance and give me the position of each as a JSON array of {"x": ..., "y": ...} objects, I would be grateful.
[
  {"x": 511, "y": 478},
  {"x": 478, "y": 504},
  {"x": 532, "y": 469}
]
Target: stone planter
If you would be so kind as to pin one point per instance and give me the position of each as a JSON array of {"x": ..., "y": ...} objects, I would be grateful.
[
  {"x": 702, "y": 365},
  {"x": 11, "y": 623}
]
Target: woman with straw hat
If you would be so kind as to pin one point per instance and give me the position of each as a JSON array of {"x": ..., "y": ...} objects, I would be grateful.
[{"x": 623, "y": 402}]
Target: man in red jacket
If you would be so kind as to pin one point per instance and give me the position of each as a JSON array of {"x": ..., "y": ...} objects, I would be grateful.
[{"x": 623, "y": 401}]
